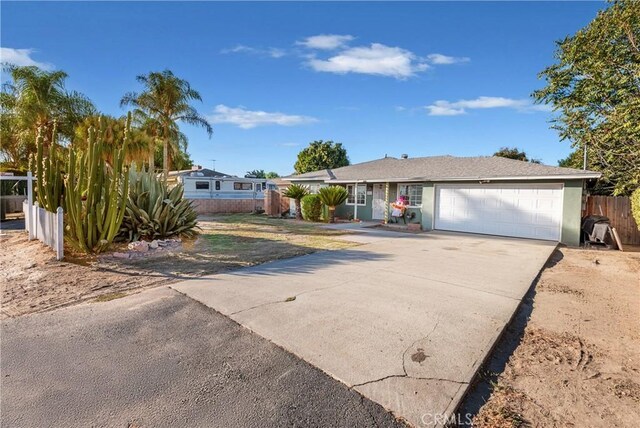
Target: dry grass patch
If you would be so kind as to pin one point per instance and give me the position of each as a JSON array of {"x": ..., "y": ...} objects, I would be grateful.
[{"x": 33, "y": 281}]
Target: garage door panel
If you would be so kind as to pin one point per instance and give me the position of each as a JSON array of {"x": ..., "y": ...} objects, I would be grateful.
[{"x": 528, "y": 211}]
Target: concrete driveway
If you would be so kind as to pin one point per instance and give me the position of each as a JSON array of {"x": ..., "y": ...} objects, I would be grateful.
[{"x": 404, "y": 319}]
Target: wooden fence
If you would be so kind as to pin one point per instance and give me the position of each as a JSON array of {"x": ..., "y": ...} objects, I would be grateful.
[
  {"x": 45, "y": 226},
  {"x": 618, "y": 209}
]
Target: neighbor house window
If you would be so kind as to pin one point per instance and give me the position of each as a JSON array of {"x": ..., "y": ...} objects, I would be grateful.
[
  {"x": 242, "y": 186},
  {"x": 412, "y": 192},
  {"x": 360, "y": 195},
  {"x": 217, "y": 185},
  {"x": 202, "y": 185}
]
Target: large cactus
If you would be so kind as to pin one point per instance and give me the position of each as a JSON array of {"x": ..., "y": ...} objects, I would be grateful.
[
  {"x": 49, "y": 173},
  {"x": 95, "y": 193}
]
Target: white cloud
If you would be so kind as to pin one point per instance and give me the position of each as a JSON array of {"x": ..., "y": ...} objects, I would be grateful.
[
  {"x": 326, "y": 41},
  {"x": 247, "y": 119},
  {"x": 376, "y": 59},
  {"x": 271, "y": 52},
  {"x": 21, "y": 57},
  {"x": 449, "y": 108},
  {"x": 440, "y": 59}
]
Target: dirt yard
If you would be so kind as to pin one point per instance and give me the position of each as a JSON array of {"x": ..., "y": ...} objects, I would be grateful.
[
  {"x": 578, "y": 362},
  {"x": 33, "y": 281}
]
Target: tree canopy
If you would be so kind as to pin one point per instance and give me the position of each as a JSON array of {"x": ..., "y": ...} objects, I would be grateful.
[
  {"x": 256, "y": 173},
  {"x": 37, "y": 99},
  {"x": 164, "y": 101},
  {"x": 595, "y": 89},
  {"x": 514, "y": 153},
  {"x": 321, "y": 155}
]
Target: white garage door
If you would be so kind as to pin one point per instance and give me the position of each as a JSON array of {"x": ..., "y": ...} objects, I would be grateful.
[{"x": 520, "y": 210}]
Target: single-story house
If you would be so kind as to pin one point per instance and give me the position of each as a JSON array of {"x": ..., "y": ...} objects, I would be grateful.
[{"x": 488, "y": 195}]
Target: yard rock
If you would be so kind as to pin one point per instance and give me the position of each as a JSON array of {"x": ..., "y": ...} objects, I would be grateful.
[
  {"x": 140, "y": 246},
  {"x": 154, "y": 244},
  {"x": 121, "y": 255}
]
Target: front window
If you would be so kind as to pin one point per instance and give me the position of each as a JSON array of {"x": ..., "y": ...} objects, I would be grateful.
[
  {"x": 412, "y": 193},
  {"x": 360, "y": 195},
  {"x": 242, "y": 186}
]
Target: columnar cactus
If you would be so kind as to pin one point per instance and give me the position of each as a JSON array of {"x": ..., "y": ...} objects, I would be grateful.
[
  {"x": 49, "y": 170},
  {"x": 95, "y": 193}
]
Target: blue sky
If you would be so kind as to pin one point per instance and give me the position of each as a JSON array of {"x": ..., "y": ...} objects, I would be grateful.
[{"x": 381, "y": 78}]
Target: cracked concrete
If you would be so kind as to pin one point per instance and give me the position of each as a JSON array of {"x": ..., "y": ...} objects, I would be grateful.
[{"x": 403, "y": 319}]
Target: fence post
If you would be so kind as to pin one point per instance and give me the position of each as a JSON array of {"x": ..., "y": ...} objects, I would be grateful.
[
  {"x": 29, "y": 219},
  {"x": 59, "y": 235},
  {"x": 36, "y": 218}
]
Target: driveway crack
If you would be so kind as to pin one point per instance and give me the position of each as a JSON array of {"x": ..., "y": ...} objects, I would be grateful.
[
  {"x": 295, "y": 296},
  {"x": 406, "y": 375},
  {"x": 404, "y": 354},
  {"x": 457, "y": 382}
]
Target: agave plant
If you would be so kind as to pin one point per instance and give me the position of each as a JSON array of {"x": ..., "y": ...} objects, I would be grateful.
[
  {"x": 297, "y": 192},
  {"x": 333, "y": 196},
  {"x": 155, "y": 211}
]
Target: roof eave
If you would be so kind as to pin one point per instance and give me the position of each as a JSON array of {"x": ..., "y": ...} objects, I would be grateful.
[{"x": 478, "y": 178}]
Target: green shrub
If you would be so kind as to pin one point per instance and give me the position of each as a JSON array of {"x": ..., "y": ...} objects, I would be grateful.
[
  {"x": 635, "y": 206},
  {"x": 155, "y": 212},
  {"x": 311, "y": 207}
]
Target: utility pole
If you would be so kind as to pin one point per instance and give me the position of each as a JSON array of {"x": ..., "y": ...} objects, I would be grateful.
[{"x": 213, "y": 161}]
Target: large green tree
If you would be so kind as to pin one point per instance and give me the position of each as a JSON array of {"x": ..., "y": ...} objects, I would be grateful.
[
  {"x": 514, "y": 153},
  {"x": 36, "y": 99},
  {"x": 595, "y": 89},
  {"x": 321, "y": 155},
  {"x": 164, "y": 101}
]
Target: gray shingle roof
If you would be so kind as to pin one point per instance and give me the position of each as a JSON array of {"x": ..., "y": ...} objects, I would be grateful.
[{"x": 442, "y": 168}]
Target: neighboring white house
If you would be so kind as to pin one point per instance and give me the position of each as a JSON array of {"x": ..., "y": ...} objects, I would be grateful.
[{"x": 205, "y": 184}]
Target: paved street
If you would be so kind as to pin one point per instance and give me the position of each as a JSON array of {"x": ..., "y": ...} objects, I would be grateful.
[{"x": 160, "y": 359}]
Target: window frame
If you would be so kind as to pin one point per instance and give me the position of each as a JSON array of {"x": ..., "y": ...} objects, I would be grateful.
[
  {"x": 419, "y": 185},
  {"x": 201, "y": 183},
  {"x": 241, "y": 184},
  {"x": 364, "y": 193}
]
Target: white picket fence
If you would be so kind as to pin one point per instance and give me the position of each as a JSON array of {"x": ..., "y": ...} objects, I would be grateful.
[{"x": 45, "y": 226}]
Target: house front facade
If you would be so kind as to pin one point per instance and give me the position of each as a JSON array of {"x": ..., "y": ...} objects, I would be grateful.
[{"x": 487, "y": 195}]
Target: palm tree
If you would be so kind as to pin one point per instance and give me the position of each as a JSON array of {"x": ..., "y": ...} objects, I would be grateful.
[
  {"x": 36, "y": 99},
  {"x": 163, "y": 102},
  {"x": 333, "y": 196},
  {"x": 297, "y": 192}
]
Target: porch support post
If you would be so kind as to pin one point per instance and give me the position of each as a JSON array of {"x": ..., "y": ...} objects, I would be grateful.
[
  {"x": 355, "y": 205},
  {"x": 386, "y": 203}
]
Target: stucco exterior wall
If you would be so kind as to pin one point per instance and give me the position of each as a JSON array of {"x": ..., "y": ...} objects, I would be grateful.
[{"x": 571, "y": 212}]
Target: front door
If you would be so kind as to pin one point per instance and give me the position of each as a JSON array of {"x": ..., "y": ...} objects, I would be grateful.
[{"x": 378, "y": 204}]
